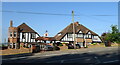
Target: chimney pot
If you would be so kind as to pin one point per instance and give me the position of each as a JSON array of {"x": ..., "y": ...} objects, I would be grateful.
[
  {"x": 11, "y": 23},
  {"x": 77, "y": 22}
]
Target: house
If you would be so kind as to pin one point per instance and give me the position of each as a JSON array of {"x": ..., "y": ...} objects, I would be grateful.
[
  {"x": 21, "y": 36},
  {"x": 82, "y": 35}
]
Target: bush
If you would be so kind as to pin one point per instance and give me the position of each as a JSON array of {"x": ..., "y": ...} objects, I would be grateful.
[
  {"x": 94, "y": 43},
  {"x": 86, "y": 47},
  {"x": 60, "y": 44}
]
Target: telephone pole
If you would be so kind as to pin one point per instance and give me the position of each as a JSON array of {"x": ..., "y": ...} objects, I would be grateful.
[{"x": 74, "y": 40}]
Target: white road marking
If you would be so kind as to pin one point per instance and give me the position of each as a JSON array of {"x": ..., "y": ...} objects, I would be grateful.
[{"x": 111, "y": 61}]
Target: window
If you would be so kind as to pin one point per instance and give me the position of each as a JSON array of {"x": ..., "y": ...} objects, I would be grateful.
[
  {"x": 10, "y": 34},
  {"x": 15, "y": 34},
  {"x": 69, "y": 35},
  {"x": 88, "y": 36},
  {"x": 23, "y": 35},
  {"x": 95, "y": 37},
  {"x": 80, "y": 35},
  {"x": 33, "y": 35}
]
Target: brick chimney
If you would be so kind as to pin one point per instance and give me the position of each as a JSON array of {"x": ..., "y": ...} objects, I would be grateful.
[
  {"x": 11, "y": 23},
  {"x": 77, "y": 23}
]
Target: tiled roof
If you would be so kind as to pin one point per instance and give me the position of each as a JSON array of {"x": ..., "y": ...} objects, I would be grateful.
[
  {"x": 25, "y": 28},
  {"x": 46, "y": 38},
  {"x": 69, "y": 29}
]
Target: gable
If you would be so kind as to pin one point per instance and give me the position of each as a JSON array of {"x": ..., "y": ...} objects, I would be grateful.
[
  {"x": 80, "y": 31},
  {"x": 89, "y": 33},
  {"x": 25, "y": 28}
]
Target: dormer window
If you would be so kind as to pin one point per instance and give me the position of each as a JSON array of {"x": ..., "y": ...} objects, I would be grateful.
[{"x": 88, "y": 35}]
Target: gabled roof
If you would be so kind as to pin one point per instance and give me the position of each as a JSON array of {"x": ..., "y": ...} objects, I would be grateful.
[
  {"x": 25, "y": 28},
  {"x": 69, "y": 29}
]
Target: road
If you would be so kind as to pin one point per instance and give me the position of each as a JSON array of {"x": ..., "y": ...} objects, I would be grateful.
[{"x": 87, "y": 55}]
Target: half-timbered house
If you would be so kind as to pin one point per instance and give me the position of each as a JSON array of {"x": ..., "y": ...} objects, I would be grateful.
[
  {"x": 21, "y": 36},
  {"x": 82, "y": 35}
]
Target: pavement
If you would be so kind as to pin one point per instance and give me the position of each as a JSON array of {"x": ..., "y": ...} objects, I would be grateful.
[{"x": 87, "y": 55}]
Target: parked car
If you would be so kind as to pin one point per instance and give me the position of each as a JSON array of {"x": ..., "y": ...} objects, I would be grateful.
[
  {"x": 70, "y": 46},
  {"x": 77, "y": 46},
  {"x": 48, "y": 48}
]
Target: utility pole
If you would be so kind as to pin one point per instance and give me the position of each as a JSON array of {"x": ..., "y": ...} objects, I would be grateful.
[
  {"x": 85, "y": 40},
  {"x": 74, "y": 41}
]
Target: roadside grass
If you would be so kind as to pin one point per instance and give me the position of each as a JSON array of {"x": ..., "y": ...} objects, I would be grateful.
[{"x": 14, "y": 51}]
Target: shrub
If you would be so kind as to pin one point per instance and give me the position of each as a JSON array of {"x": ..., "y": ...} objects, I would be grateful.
[
  {"x": 60, "y": 45},
  {"x": 94, "y": 43}
]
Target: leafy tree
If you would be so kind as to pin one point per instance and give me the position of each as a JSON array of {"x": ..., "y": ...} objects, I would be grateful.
[
  {"x": 114, "y": 29},
  {"x": 113, "y": 36}
]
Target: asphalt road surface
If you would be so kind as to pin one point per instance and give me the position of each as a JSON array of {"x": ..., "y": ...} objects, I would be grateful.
[{"x": 87, "y": 55}]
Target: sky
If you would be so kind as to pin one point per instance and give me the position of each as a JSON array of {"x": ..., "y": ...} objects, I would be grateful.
[
  {"x": 88, "y": 15},
  {"x": 60, "y": 0}
]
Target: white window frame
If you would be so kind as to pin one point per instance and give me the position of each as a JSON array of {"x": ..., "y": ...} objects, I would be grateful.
[
  {"x": 70, "y": 35},
  {"x": 80, "y": 35},
  {"x": 23, "y": 35},
  {"x": 15, "y": 33},
  {"x": 33, "y": 35},
  {"x": 11, "y": 34}
]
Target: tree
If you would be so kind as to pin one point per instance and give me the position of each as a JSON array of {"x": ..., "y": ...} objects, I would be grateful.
[
  {"x": 113, "y": 36},
  {"x": 114, "y": 29}
]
